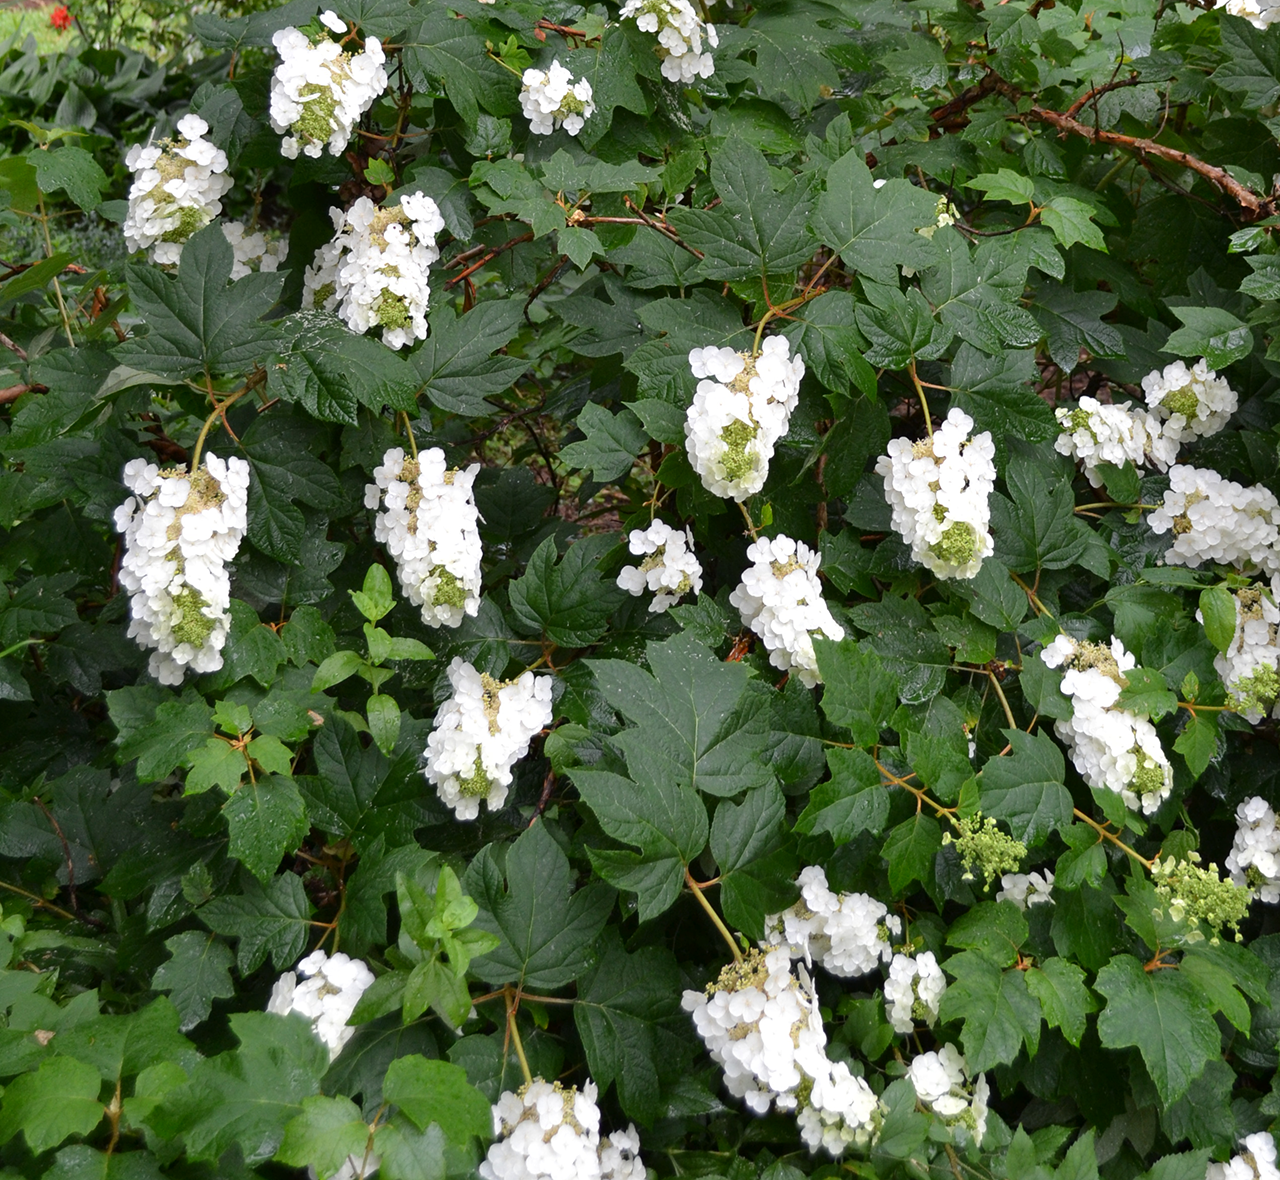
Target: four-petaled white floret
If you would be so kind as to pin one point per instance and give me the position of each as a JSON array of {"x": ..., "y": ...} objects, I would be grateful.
[
  {"x": 551, "y": 98},
  {"x": 939, "y": 490},
  {"x": 1111, "y": 747},
  {"x": 1026, "y": 889},
  {"x": 374, "y": 273},
  {"x": 680, "y": 31},
  {"x": 319, "y": 90},
  {"x": 324, "y": 989},
  {"x": 1095, "y": 433},
  {"x": 180, "y": 531},
  {"x": 1192, "y": 402},
  {"x": 429, "y": 524},
  {"x": 1216, "y": 519},
  {"x": 780, "y": 599},
  {"x": 480, "y": 733},
  {"x": 669, "y": 568},
  {"x": 741, "y": 408},
  {"x": 177, "y": 190}
]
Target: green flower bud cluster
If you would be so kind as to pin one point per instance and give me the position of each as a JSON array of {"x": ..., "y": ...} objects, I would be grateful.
[
  {"x": 1196, "y": 894},
  {"x": 979, "y": 842}
]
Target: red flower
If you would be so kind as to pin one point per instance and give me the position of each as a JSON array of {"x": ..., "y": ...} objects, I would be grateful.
[{"x": 61, "y": 18}]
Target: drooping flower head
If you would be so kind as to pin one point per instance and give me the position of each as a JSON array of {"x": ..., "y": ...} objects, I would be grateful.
[
  {"x": 1192, "y": 402},
  {"x": 177, "y": 189},
  {"x": 1095, "y": 433},
  {"x": 669, "y": 568},
  {"x": 1250, "y": 667},
  {"x": 780, "y": 599},
  {"x": 480, "y": 733},
  {"x": 545, "y": 1131},
  {"x": 1111, "y": 747},
  {"x": 374, "y": 273},
  {"x": 324, "y": 989},
  {"x": 180, "y": 531},
  {"x": 941, "y": 1082},
  {"x": 430, "y": 525},
  {"x": 680, "y": 32},
  {"x": 742, "y": 407},
  {"x": 320, "y": 89},
  {"x": 1218, "y": 520},
  {"x": 939, "y": 490},
  {"x": 761, "y": 1024},
  {"x": 253, "y": 250},
  {"x": 551, "y": 98}
]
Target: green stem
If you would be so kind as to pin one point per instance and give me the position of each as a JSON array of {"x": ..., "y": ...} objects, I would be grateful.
[
  {"x": 715, "y": 918},
  {"x": 515, "y": 1039},
  {"x": 219, "y": 411},
  {"x": 57, "y": 287},
  {"x": 924, "y": 401}
]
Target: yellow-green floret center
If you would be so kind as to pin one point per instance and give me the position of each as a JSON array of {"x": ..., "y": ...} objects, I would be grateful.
[
  {"x": 1181, "y": 401},
  {"x": 449, "y": 591},
  {"x": 392, "y": 311},
  {"x": 315, "y": 124},
  {"x": 195, "y": 626},
  {"x": 737, "y": 437},
  {"x": 958, "y": 543}
]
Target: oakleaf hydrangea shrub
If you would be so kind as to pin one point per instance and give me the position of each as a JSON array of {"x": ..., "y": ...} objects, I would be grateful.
[{"x": 635, "y": 590}]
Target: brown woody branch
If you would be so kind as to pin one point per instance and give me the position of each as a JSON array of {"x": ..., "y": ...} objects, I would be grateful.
[
  {"x": 17, "y": 349},
  {"x": 11, "y": 393},
  {"x": 1256, "y": 206},
  {"x": 1115, "y": 84}
]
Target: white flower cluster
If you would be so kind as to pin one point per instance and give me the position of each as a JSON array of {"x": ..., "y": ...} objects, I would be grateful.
[
  {"x": 1111, "y": 747},
  {"x": 1250, "y": 667},
  {"x": 1254, "y": 859},
  {"x": 741, "y": 408},
  {"x": 669, "y": 568},
  {"x": 546, "y": 1131},
  {"x": 180, "y": 530},
  {"x": 429, "y": 525},
  {"x": 913, "y": 990},
  {"x": 848, "y": 933},
  {"x": 252, "y": 250},
  {"x": 941, "y": 1082},
  {"x": 325, "y": 989},
  {"x": 1094, "y": 433},
  {"x": 939, "y": 489},
  {"x": 319, "y": 90},
  {"x": 1257, "y": 1160},
  {"x": 680, "y": 31},
  {"x": 480, "y": 733},
  {"x": 761, "y": 1024},
  {"x": 1193, "y": 403},
  {"x": 1026, "y": 889},
  {"x": 1259, "y": 13},
  {"x": 551, "y": 99},
  {"x": 374, "y": 273},
  {"x": 1216, "y": 519},
  {"x": 177, "y": 189},
  {"x": 780, "y": 599}
]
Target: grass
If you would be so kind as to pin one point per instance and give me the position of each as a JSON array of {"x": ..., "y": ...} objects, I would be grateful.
[{"x": 23, "y": 21}]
